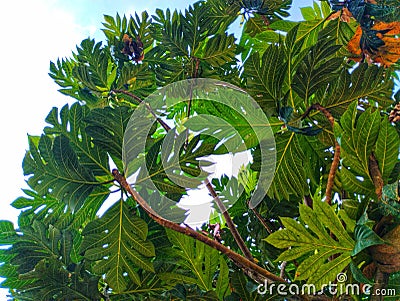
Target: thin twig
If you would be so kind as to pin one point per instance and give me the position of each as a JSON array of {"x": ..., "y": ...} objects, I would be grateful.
[
  {"x": 262, "y": 221},
  {"x": 229, "y": 222},
  {"x": 283, "y": 267},
  {"x": 336, "y": 156},
  {"x": 235, "y": 233},
  {"x": 238, "y": 259}
]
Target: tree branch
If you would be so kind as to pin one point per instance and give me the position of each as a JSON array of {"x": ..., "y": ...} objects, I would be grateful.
[
  {"x": 376, "y": 175},
  {"x": 336, "y": 156},
  {"x": 239, "y": 240},
  {"x": 381, "y": 278},
  {"x": 252, "y": 268},
  {"x": 262, "y": 221}
]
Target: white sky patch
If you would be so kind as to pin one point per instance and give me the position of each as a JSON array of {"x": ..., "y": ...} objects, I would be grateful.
[
  {"x": 199, "y": 201},
  {"x": 33, "y": 33}
]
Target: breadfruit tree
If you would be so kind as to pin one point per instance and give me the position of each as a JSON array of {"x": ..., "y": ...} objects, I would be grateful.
[{"x": 313, "y": 102}]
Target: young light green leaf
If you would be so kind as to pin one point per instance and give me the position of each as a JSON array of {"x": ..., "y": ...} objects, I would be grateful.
[{"x": 313, "y": 238}]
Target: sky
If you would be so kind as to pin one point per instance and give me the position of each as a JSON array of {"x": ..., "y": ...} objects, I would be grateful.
[{"x": 33, "y": 33}]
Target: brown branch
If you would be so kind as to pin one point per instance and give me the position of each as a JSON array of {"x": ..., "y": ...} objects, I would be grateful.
[
  {"x": 336, "y": 156},
  {"x": 381, "y": 278},
  {"x": 283, "y": 267},
  {"x": 262, "y": 221},
  {"x": 229, "y": 222},
  {"x": 235, "y": 233},
  {"x": 247, "y": 265},
  {"x": 376, "y": 175},
  {"x": 308, "y": 201}
]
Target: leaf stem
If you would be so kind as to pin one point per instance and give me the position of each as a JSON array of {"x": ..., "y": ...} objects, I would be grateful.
[{"x": 262, "y": 221}]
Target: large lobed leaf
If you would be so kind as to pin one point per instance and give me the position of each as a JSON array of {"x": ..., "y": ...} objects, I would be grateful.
[
  {"x": 317, "y": 69},
  {"x": 54, "y": 168},
  {"x": 311, "y": 237},
  {"x": 70, "y": 122},
  {"x": 107, "y": 126},
  {"x": 117, "y": 243},
  {"x": 360, "y": 136},
  {"x": 364, "y": 82},
  {"x": 202, "y": 261},
  {"x": 40, "y": 264},
  {"x": 290, "y": 173},
  {"x": 265, "y": 75}
]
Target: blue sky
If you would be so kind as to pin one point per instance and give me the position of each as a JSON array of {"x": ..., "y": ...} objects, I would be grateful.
[{"x": 33, "y": 33}]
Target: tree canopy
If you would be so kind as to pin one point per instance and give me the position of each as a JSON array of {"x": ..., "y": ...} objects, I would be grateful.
[{"x": 315, "y": 104}]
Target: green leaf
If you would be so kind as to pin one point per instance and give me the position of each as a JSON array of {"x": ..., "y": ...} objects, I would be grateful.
[
  {"x": 50, "y": 280},
  {"x": 265, "y": 75},
  {"x": 239, "y": 284},
  {"x": 351, "y": 208},
  {"x": 315, "y": 240},
  {"x": 315, "y": 18},
  {"x": 290, "y": 177},
  {"x": 114, "y": 27},
  {"x": 317, "y": 69},
  {"x": 220, "y": 15},
  {"x": 94, "y": 70},
  {"x": 61, "y": 73},
  {"x": 137, "y": 79},
  {"x": 7, "y": 232},
  {"x": 200, "y": 259},
  {"x": 219, "y": 50},
  {"x": 387, "y": 149},
  {"x": 117, "y": 243},
  {"x": 223, "y": 279},
  {"x": 364, "y": 82},
  {"x": 70, "y": 122},
  {"x": 54, "y": 168},
  {"x": 357, "y": 138},
  {"x": 106, "y": 127},
  {"x": 340, "y": 31},
  {"x": 358, "y": 274},
  {"x": 40, "y": 241},
  {"x": 365, "y": 237}
]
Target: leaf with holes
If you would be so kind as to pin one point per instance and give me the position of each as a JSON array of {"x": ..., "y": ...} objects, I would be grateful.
[
  {"x": 53, "y": 166},
  {"x": 70, "y": 122}
]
